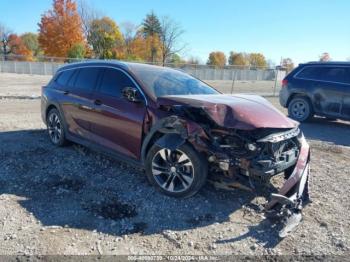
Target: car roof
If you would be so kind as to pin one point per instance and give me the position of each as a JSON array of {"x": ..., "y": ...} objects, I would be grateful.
[
  {"x": 114, "y": 63},
  {"x": 328, "y": 63}
]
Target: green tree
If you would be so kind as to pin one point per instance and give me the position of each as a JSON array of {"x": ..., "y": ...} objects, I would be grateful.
[
  {"x": 217, "y": 59},
  {"x": 238, "y": 59},
  {"x": 151, "y": 25},
  {"x": 257, "y": 60},
  {"x": 176, "y": 60},
  {"x": 77, "y": 51},
  {"x": 151, "y": 29},
  {"x": 30, "y": 40},
  {"x": 104, "y": 37}
]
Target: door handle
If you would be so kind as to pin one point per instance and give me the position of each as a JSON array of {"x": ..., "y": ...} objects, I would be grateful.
[
  {"x": 85, "y": 107},
  {"x": 98, "y": 102}
]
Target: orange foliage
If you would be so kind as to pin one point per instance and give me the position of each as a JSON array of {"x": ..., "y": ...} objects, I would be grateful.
[
  {"x": 19, "y": 49},
  {"x": 60, "y": 29},
  {"x": 140, "y": 49}
]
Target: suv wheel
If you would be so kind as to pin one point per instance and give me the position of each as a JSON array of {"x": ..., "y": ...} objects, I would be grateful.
[
  {"x": 300, "y": 109},
  {"x": 55, "y": 128},
  {"x": 178, "y": 173}
]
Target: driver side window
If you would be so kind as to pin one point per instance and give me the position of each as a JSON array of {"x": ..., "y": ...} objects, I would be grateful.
[{"x": 113, "y": 82}]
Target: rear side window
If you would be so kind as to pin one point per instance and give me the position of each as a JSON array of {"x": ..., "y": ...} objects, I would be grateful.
[
  {"x": 86, "y": 78},
  {"x": 323, "y": 73},
  {"x": 63, "y": 77},
  {"x": 113, "y": 82}
]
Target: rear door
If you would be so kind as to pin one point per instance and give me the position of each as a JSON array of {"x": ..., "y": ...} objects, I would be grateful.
[
  {"x": 116, "y": 122},
  {"x": 326, "y": 86},
  {"x": 77, "y": 103}
]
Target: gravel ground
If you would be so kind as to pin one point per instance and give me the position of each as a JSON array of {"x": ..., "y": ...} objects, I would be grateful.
[{"x": 73, "y": 200}]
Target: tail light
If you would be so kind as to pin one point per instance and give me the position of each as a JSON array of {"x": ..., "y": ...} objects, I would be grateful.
[{"x": 284, "y": 83}]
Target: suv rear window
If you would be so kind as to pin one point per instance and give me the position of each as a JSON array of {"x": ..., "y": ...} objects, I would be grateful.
[{"x": 323, "y": 73}]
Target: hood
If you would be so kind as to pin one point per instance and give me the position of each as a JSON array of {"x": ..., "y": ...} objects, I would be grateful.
[{"x": 233, "y": 111}]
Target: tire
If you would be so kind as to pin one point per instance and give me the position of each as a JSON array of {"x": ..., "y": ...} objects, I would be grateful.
[
  {"x": 165, "y": 171},
  {"x": 55, "y": 128},
  {"x": 300, "y": 109}
]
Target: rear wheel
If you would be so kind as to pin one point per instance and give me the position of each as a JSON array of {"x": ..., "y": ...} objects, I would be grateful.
[
  {"x": 300, "y": 109},
  {"x": 177, "y": 173},
  {"x": 55, "y": 128}
]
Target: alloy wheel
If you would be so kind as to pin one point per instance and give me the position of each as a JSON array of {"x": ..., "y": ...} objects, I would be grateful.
[
  {"x": 54, "y": 128},
  {"x": 172, "y": 170}
]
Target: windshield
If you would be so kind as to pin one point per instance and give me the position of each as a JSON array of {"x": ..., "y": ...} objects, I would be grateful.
[{"x": 165, "y": 81}]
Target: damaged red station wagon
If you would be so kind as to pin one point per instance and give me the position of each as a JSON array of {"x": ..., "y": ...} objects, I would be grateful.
[{"x": 181, "y": 130}]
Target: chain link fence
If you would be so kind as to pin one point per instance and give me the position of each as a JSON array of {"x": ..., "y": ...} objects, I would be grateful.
[{"x": 230, "y": 79}]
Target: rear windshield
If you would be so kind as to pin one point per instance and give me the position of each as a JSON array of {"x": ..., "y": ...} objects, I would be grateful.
[{"x": 165, "y": 81}]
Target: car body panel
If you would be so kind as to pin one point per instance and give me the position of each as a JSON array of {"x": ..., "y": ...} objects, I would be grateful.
[
  {"x": 234, "y": 111},
  {"x": 118, "y": 124}
]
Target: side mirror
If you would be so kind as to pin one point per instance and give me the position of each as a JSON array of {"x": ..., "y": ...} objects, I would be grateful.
[{"x": 132, "y": 94}]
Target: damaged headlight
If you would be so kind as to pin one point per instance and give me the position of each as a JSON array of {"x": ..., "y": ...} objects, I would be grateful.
[{"x": 278, "y": 137}]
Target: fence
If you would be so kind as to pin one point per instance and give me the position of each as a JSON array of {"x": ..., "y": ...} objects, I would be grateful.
[{"x": 227, "y": 80}]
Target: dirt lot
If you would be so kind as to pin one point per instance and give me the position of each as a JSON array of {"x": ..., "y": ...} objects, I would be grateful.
[{"x": 75, "y": 201}]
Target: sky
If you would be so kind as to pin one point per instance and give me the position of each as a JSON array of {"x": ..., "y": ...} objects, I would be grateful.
[{"x": 299, "y": 29}]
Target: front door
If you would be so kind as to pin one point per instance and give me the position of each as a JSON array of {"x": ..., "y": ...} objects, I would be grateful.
[{"x": 116, "y": 122}]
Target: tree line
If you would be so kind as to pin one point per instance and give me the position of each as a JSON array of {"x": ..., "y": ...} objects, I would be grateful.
[{"x": 75, "y": 30}]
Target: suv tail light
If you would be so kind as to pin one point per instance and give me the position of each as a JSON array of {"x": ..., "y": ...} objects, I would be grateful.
[{"x": 284, "y": 83}]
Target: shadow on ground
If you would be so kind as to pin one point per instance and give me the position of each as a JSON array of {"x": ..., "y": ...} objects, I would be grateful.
[{"x": 337, "y": 132}]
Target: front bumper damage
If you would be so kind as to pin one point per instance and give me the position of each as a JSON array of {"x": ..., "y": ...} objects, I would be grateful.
[
  {"x": 284, "y": 206},
  {"x": 288, "y": 202},
  {"x": 232, "y": 171}
]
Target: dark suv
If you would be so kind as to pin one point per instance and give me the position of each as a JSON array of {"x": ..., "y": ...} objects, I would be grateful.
[
  {"x": 317, "y": 88},
  {"x": 179, "y": 129}
]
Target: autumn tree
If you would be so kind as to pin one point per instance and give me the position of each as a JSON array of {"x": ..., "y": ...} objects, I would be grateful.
[
  {"x": 238, "y": 59},
  {"x": 257, "y": 60},
  {"x": 4, "y": 41},
  {"x": 30, "y": 40},
  {"x": 170, "y": 37},
  {"x": 325, "y": 57},
  {"x": 19, "y": 49},
  {"x": 130, "y": 34},
  {"x": 288, "y": 64},
  {"x": 151, "y": 29},
  {"x": 60, "y": 29},
  {"x": 104, "y": 37},
  {"x": 217, "y": 59}
]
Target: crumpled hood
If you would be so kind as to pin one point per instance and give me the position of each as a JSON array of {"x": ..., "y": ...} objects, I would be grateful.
[{"x": 234, "y": 111}]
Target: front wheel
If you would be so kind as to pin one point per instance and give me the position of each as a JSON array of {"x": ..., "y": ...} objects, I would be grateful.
[{"x": 177, "y": 173}]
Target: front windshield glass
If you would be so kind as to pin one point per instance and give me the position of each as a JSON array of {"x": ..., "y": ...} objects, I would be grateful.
[{"x": 165, "y": 81}]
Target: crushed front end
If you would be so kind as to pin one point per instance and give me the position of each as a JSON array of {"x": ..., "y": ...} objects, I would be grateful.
[
  {"x": 250, "y": 159},
  {"x": 248, "y": 143}
]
